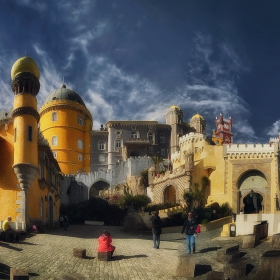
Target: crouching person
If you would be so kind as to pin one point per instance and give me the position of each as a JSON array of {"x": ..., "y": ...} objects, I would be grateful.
[
  {"x": 104, "y": 243},
  {"x": 7, "y": 228}
]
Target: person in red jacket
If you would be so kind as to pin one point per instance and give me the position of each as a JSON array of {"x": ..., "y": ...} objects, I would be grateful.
[{"x": 104, "y": 243}]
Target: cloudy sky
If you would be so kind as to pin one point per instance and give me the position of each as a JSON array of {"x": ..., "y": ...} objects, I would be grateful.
[{"x": 132, "y": 59}]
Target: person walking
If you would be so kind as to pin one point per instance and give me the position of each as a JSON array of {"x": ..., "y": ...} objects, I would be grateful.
[
  {"x": 156, "y": 229},
  {"x": 189, "y": 228}
]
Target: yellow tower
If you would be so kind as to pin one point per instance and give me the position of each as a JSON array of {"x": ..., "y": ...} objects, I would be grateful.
[
  {"x": 66, "y": 123},
  {"x": 25, "y": 85}
]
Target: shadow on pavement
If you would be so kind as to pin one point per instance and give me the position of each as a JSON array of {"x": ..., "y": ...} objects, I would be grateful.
[
  {"x": 4, "y": 271},
  {"x": 8, "y": 246},
  {"x": 201, "y": 269},
  {"x": 205, "y": 250},
  {"x": 122, "y": 257}
]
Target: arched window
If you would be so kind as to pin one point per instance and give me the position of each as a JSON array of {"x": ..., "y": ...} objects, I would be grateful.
[
  {"x": 54, "y": 116},
  {"x": 80, "y": 120},
  {"x": 80, "y": 144},
  {"x": 118, "y": 144},
  {"x": 80, "y": 157},
  {"x": 151, "y": 136},
  {"x": 162, "y": 138},
  {"x": 54, "y": 140},
  {"x": 133, "y": 134},
  {"x": 162, "y": 152}
]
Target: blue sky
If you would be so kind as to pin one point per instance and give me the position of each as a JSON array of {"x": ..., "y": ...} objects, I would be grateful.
[{"x": 132, "y": 59}]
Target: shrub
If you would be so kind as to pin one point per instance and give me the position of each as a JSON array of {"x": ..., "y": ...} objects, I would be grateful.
[{"x": 137, "y": 201}]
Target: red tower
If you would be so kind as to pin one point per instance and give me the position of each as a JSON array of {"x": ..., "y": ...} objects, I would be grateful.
[{"x": 223, "y": 134}]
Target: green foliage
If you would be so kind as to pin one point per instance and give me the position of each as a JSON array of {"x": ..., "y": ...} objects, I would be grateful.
[
  {"x": 195, "y": 197},
  {"x": 212, "y": 212},
  {"x": 175, "y": 219},
  {"x": 95, "y": 209},
  {"x": 160, "y": 206},
  {"x": 137, "y": 201}
]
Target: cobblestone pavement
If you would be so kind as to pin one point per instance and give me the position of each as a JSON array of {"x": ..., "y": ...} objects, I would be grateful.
[{"x": 50, "y": 256}]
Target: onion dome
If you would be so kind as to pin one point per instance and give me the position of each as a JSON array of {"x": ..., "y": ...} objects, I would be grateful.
[
  {"x": 175, "y": 107},
  {"x": 64, "y": 93},
  {"x": 25, "y": 64},
  {"x": 197, "y": 116}
]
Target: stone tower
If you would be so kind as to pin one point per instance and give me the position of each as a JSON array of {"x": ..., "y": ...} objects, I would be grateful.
[
  {"x": 198, "y": 123},
  {"x": 174, "y": 118},
  {"x": 25, "y": 85}
]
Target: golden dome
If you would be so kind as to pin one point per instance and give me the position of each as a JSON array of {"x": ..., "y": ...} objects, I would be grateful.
[
  {"x": 197, "y": 116},
  {"x": 175, "y": 107},
  {"x": 25, "y": 64}
]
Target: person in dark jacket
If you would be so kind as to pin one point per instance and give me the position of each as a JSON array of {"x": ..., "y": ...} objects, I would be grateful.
[
  {"x": 156, "y": 229},
  {"x": 189, "y": 228}
]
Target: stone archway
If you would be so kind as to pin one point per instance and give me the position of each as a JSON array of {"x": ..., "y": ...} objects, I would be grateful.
[
  {"x": 252, "y": 187},
  {"x": 170, "y": 194},
  {"x": 97, "y": 187}
]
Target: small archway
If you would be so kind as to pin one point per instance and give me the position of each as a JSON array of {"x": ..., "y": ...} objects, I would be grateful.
[
  {"x": 97, "y": 187},
  {"x": 170, "y": 194}
]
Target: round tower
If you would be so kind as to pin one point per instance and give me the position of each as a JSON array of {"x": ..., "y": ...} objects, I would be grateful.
[
  {"x": 25, "y": 85},
  {"x": 67, "y": 124}
]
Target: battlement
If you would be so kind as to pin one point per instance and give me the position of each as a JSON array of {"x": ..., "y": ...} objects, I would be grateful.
[
  {"x": 191, "y": 136},
  {"x": 175, "y": 156},
  {"x": 251, "y": 150}
]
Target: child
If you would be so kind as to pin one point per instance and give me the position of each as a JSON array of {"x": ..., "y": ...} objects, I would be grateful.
[{"x": 104, "y": 243}]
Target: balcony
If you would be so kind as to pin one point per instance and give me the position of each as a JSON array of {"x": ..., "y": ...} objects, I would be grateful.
[{"x": 138, "y": 141}]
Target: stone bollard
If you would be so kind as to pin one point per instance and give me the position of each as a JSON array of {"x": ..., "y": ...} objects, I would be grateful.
[
  {"x": 18, "y": 274},
  {"x": 269, "y": 268},
  {"x": 275, "y": 243},
  {"x": 228, "y": 253},
  {"x": 104, "y": 256},
  {"x": 79, "y": 253},
  {"x": 185, "y": 265},
  {"x": 240, "y": 262},
  {"x": 250, "y": 240},
  {"x": 215, "y": 275}
]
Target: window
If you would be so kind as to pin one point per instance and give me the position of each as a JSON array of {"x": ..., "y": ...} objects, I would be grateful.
[
  {"x": 101, "y": 145},
  {"x": 54, "y": 117},
  {"x": 162, "y": 152},
  {"x": 118, "y": 144},
  {"x": 133, "y": 134},
  {"x": 162, "y": 138},
  {"x": 80, "y": 144},
  {"x": 54, "y": 154},
  {"x": 151, "y": 136},
  {"x": 80, "y": 120},
  {"x": 101, "y": 158},
  {"x": 151, "y": 150},
  {"x": 54, "y": 140},
  {"x": 80, "y": 157},
  {"x": 30, "y": 133}
]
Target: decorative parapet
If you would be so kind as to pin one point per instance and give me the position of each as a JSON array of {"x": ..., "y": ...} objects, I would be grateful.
[
  {"x": 190, "y": 137},
  {"x": 178, "y": 172},
  {"x": 250, "y": 150}
]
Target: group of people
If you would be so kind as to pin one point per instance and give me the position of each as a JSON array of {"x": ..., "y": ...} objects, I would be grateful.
[{"x": 104, "y": 241}]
